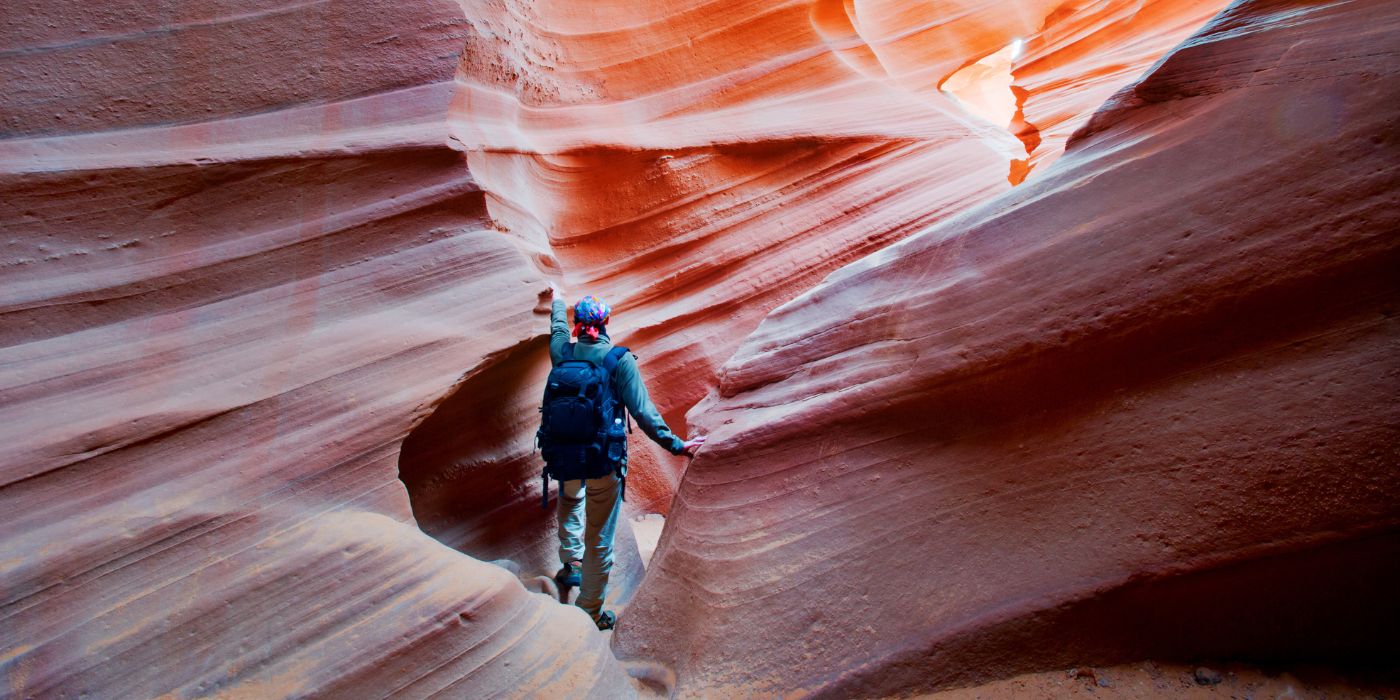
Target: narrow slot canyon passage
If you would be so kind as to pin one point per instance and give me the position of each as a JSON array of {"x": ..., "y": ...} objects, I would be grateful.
[
  {"x": 470, "y": 474},
  {"x": 473, "y": 476},
  {"x": 1047, "y": 337},
  {"x": 986, "y": 89}
]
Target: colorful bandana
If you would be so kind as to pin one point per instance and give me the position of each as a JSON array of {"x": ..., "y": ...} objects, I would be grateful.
[{"x": 590, "y": 315}]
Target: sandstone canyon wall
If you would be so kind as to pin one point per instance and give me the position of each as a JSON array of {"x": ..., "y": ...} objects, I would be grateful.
[
  {"x": 1082, "y": 54},
  {"x": 239, "y": 258},
  {"x": 698, "y": 164},
  {"x": 263, "y": 261},
  {"x": 1144, "y": 404}
]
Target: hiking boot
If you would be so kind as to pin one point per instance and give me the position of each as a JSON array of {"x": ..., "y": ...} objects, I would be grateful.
[
  {"x": 570, "y": 575},
  {"x": 605, "y": 620}
]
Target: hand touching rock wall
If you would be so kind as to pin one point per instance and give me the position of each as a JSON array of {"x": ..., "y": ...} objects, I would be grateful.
[{"x": 698, "y": 165}]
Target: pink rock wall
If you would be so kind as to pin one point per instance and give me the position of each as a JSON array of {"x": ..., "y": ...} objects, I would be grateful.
[
  {"x": 261, "y": 262},
  {"x": 698, "y": 165},
  {"x": 1143, "y": 405},
  {"x": 239, "y": 263}
]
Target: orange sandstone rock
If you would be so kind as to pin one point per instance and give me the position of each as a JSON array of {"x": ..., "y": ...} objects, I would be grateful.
[
  {"x": 1142, "y": 405},
  {"x": 1084, "y": 52},
  {"x": 698, "y": 165},
  {"x": 250, "y": 279}
]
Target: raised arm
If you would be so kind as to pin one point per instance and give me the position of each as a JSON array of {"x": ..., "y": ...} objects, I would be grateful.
[{"x": 558, "y": 329}]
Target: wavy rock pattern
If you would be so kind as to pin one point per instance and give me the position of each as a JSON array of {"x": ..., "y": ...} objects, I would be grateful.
[
  {"x": 699, "y": 164},
  {"x": 244, "y": 257},
  {"x": 1083, "y": 53},
  {"x": 238, "y": 262},
  {"x": 1141, "y": 405}
]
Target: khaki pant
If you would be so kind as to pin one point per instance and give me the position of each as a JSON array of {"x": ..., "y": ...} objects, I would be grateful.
[{"x": 592, "y": 545}]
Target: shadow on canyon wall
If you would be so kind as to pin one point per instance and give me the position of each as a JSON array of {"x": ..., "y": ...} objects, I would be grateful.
[{"x": 1326, "y": 604}]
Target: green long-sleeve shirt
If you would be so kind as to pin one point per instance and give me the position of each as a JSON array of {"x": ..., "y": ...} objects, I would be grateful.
[{"x": 626, "y": 377}]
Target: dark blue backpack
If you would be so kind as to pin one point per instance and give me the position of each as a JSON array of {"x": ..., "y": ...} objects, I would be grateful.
[{"x": 581, "y": 433}]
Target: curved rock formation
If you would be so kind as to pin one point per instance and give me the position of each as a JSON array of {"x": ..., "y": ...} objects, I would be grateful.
[
  {"x": 1084, "y": 52},
  {"x": 699, "y": 164},
  {"x": 238, "y": 267},
  {"x": 1143, "y": 404},
  {"x": 260, "y": 262},
  {"x": 697, "y": 185}
]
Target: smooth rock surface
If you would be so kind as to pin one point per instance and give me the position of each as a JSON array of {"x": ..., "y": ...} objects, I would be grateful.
[
  {"x": 272, "y": 299},
  {"x": 239, "y": 262},
  {"x": 1082, "y": 54},
  {"x": 1150, "y": 680},
  {"x": 1153, "y": 386}
]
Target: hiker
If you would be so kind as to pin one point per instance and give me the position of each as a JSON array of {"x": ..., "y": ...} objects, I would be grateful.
[{"x": 584, "y": 444}]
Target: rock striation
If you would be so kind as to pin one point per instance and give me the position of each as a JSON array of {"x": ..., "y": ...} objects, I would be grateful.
[
  {"x": 699, "y": 164},
  {"x": 1142, "y": 405},
  {"x": 1082, "y": 54},
  {"x": 271, "y": 308},
  {"x": 238, "y": 261}
]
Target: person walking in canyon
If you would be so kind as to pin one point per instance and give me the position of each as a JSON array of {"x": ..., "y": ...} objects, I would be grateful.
[{"x": 584, "y": 443}]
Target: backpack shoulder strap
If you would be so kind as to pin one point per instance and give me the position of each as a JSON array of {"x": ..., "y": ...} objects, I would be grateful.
[{"x": 614, "y": 357}]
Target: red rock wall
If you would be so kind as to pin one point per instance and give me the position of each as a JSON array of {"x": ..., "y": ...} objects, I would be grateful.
[
  {"x": 250, "y": 279},
  {"x": 696, "y": 169},
  {"x": 698, "y": 165},
  {"x": 1085, "y": 51},
  {"x": 238, "y": 263},
  {"x": 1142, "y": 405}
]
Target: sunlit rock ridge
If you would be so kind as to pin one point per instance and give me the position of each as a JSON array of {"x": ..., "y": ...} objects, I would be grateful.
[{"x": 272, "y": 337}]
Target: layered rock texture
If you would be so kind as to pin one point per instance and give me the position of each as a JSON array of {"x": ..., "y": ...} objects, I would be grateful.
[
  {"x": 240, "y": 262},
  {"x": 1142, "y": 405},
  {"x": 697, "y": 164},
  {"x": 1083, "y": 53},
  {"x": 272, "y": 294}
]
